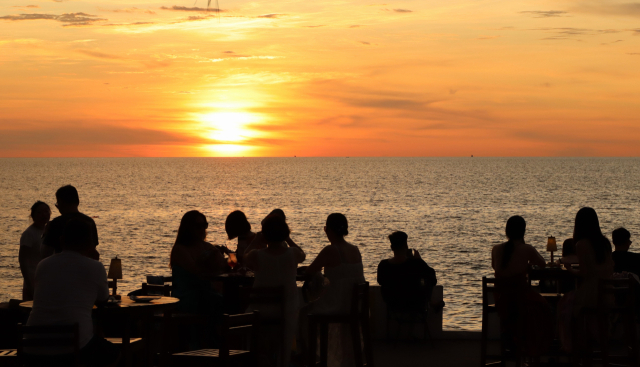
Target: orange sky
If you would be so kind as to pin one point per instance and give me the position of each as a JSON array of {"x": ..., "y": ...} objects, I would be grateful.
[{"x": 320, "y": 78}]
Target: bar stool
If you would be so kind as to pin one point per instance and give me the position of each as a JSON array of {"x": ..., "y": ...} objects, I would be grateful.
[{"x": 357, "y": 319}]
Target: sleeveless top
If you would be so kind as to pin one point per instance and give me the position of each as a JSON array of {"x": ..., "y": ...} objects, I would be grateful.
[
  {"x": 342, "y": 278},
  {"x": 278, "y": 271}
]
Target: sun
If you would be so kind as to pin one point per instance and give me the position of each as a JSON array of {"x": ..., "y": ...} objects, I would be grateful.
[
  {"x": 229, "y": 127},
  {"x": 230, "y": 132}
]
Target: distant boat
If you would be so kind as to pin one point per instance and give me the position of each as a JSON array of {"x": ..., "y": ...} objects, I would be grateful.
[{"x": 471, "y": 155}]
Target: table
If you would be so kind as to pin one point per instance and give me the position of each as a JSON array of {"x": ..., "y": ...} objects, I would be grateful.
[
  {"x": 565, "y": 280},
  {"x": 128, "y": 310}
]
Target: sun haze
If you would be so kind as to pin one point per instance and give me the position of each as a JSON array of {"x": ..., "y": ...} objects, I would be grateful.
[{"x": 318, "y": 78}]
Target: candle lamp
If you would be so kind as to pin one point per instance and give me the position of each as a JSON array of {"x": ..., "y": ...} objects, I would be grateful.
[
  {"x": 551, "y": 246},
  {"x": 115, "y": 273}
]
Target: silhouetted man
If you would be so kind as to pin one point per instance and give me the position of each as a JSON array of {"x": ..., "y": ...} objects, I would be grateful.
[
  {"x": 622, "y": 258},
  {"x": 67, "y": 204},
  {"x": 406, "y": 281},
  {"x": 67, "y": 285}
]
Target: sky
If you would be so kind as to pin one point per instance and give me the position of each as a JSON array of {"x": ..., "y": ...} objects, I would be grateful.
[{"x": 125, "y": 78}]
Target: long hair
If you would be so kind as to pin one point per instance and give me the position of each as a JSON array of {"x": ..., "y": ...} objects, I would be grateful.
[
  {"x": 516, "y": 227},
  {"x": 188, "y": 231},
  {"x": 588, "y": 227}
]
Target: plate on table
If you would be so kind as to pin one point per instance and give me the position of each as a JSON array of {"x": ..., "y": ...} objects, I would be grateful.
[{"x": 144, "y": 299}]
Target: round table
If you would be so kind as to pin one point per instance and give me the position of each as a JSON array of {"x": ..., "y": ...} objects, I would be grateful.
[{"x": 128, "y": 311}]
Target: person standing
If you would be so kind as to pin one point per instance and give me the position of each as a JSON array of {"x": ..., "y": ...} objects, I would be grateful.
[
  {"x": 30, "y": 244},
  {"x": 67, "y": 204}
]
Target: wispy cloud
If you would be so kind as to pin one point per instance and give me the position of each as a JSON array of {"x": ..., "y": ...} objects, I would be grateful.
[
  {"x": 26, "y": 6},
  {"x": 403, "y": 11},
  {"x": 186, "y": 8},
  {"x": 274, "y": 15},
  {"x": 69, "y": 19},
  {"x": 545, "y": 13},
  {"x": 609, "y": 7},
  {"x": 129, "y": 10},
  {"x": 99, "y": 55}
]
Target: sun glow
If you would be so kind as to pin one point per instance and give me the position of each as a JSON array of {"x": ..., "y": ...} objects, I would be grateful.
[{"x": 229, "y": 126}]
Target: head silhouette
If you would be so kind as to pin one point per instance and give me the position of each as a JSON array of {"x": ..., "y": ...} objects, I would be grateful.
[
  {"x": 337, "y": 225},
  {"x": 398, "y": 241},
  {"x": 516, "y": 227},
  {"x": 621, "y": 239},
  {"x": 40, "y": 212},
  {"x": 67, "y": 199},
  {"x": 236, "y": 224},
  {"x": 275, "y": 229},
  {"x": 587, "y": 227},
  {"x": 192, "y": 228}
]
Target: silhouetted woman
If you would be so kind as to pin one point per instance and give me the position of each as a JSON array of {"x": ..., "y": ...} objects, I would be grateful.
[
  {"x": 30, "y": 243},
  {"x": 237, "y": 226},
  {"x": 594, "y": 257},
  {"x": 276, "y": 266},
  {"x": 342, "y": 264},
  {"x": 526, "y": 318},
  {"x": 193, "y": 263}
]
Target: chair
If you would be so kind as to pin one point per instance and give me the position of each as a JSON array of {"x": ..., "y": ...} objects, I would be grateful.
[
  {"x": 616, "y": 299},
  {"x": 225, "y": 355},
  {"x": 9, "y": 357},
  {"x": 176, "y": 328},
  {"x": 274, "y": 296},
  {"x": 357, "y": 319},
  {"x": 489, "y": 308},
  {"x": 419, "y": 314},
  {"x": 62, "y": 337}
]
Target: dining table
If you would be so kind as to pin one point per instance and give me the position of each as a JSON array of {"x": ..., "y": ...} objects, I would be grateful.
[{"x": 128, "y": 311}]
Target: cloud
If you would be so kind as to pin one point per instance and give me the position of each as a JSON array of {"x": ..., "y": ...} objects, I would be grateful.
[
  {"x": 129, "y": 10},
  {"x": 314, "y": 26},
  {"x": 487, "y": 37},
  {"x": 272, "y": 16},
  {"x": 403, "y": 11},
  {"x": 228, "y": 52},
  {"x": 365, "y": 43},
  {"x": 545, "y": 13},
  {"x": 69, "y": 19},
  {"x": 355, "y": 26},
  {"x": 568, "y": 32},
  {"x": 186, "y": 8},
  {"x": 26, "y": 6},
  {"x": 633, "y": 53},
  {"x": 77, "y": 133},
  {"x": 99, "y": 55},
  {"x": 127, "y": 24}
]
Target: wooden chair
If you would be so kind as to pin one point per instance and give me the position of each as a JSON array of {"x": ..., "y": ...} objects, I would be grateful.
[
  {"x": 62, "y": 337},
  {"x": 270, "y": 297},
  {"x": 418, "y": 315},
  {"x": 225, "y": 356},
  {"x": 174, "y": 326},
  {"x": 489, "y": 308},
  {"x": 616, "y": 299},
  {"x": 357, "y": 319}
]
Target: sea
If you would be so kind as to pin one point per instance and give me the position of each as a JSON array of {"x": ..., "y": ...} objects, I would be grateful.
[{"x": 453, "y": 209}]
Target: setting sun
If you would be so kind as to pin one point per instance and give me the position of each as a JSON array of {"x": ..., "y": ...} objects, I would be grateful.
[{"x": 229, "y": 126}]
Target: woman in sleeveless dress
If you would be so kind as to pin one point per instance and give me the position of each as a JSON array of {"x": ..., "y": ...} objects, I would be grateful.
[
  {"x": 276, "y": 266},
  {"x": 594, "y": 257},
  {"x": 342, "y": 264},
  {"x": 237, "y": 226}
]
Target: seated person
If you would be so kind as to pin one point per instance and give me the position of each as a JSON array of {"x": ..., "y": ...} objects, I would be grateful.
[
  {"x": 406, "y": 281},
  {"x": 623, "y": 259},
  {"x": 67, "y": 204},
  {"x": 258, "y": 241},
  {"x": 67, "y": 285},
  {"x": 237, "y": 226},
  {"x": 194, "y": 262},
  {"x": 569, "y": 255}
]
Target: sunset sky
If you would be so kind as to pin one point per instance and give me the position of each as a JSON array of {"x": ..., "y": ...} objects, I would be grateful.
[{"x": 319, "y": 78}]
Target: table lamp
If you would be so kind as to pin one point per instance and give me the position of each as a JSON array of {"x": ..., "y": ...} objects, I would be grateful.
[
  {"x": 551, "y": 246},
  {"x": 115, "y": 273}
]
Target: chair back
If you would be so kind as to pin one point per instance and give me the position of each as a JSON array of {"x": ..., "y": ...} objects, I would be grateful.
[
  {"x": 360, "y": 300},
  {"x": 488, "y": 291},
  {"x": 248, "y": 322},
  {"x": 155, "y": 289},
  {"x": 49, "y": 338},
  {"x": 620, "y": 291}
]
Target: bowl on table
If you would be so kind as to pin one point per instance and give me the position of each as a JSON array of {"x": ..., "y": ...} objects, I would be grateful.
[{"x": 144, "y": 299}]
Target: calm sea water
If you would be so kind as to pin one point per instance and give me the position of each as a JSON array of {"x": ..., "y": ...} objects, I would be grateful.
[{"x": 454, "y": 209}]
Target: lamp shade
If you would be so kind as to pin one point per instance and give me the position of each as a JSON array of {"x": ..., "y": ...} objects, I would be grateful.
[
  {"x": 551, "y": 244},
  {"x": 115, "y": 269}
]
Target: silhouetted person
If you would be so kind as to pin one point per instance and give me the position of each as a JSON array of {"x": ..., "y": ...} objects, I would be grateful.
[
  {"x": 276, "y": 266},
  {"x": 406, "y": 281},
  {"x": 594, "y": 257},
  {"x": 237, "y": 226},
  {"x": 67, "y": 285},
  {"x": 623, "y": 259},
  {"x": 259, "y": 242},
  {"x": 30, "y": 244},
  {"x": 67, "y": 204},
  {"x": 526, "y": 318}
]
